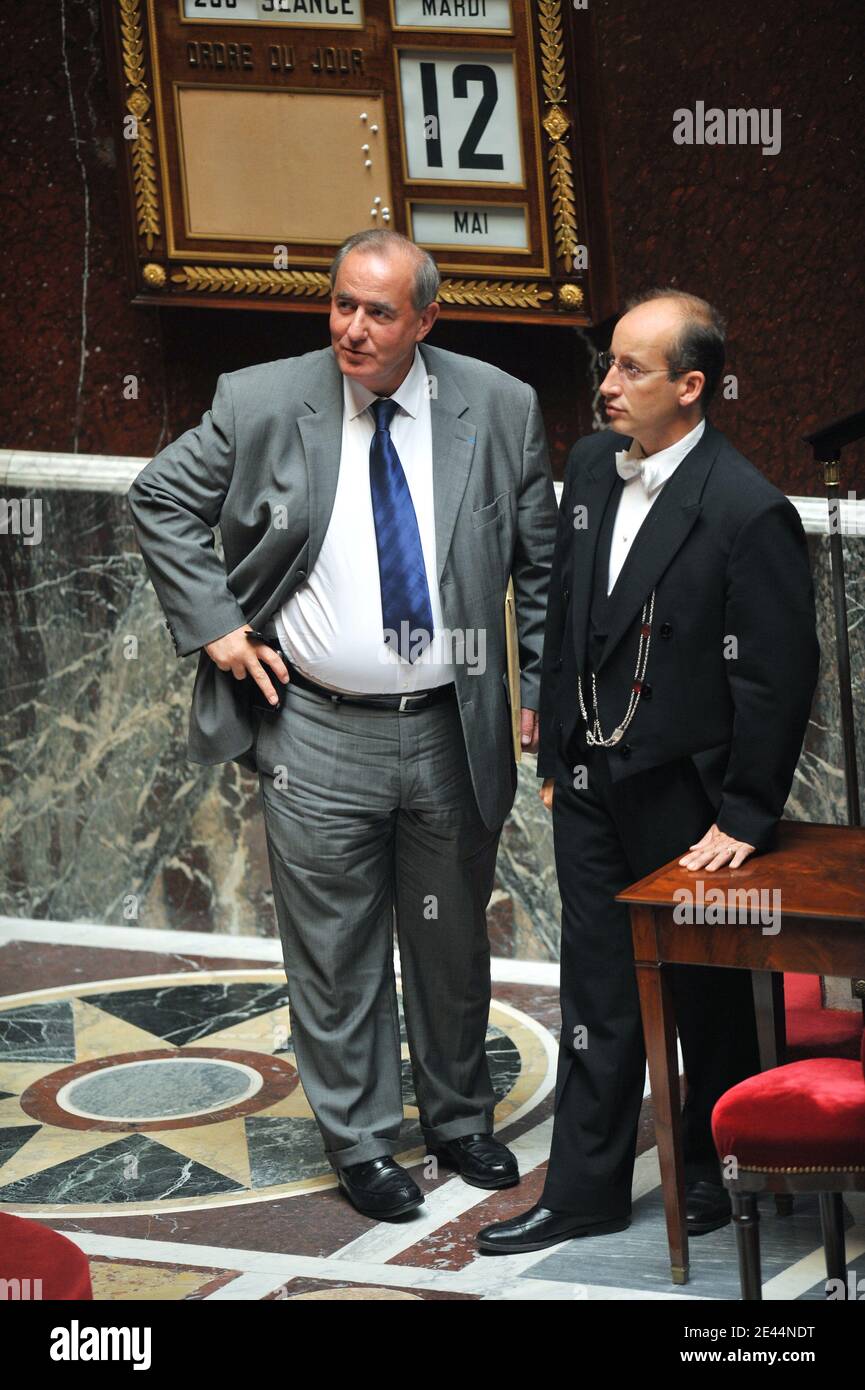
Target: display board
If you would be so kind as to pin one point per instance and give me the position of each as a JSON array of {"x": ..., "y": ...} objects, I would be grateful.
[{"x": 258, "y": 134}]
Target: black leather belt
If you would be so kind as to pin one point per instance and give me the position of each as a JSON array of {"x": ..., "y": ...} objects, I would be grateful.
[{"x": 417, "y": 700}]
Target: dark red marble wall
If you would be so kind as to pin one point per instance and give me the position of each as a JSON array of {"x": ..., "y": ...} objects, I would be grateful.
[
  {"x": 772, "y": 240},
  {"x": 775, "y": 241}
]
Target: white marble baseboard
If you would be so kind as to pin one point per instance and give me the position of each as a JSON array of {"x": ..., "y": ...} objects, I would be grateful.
[{"x": 268, "y": 950}]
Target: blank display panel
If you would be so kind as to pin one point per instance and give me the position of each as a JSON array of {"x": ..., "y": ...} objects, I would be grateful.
[{"x": 280, "y": 166}]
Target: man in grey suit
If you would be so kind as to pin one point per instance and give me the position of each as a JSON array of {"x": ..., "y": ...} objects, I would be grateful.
[{"x": 373, "y": 499}]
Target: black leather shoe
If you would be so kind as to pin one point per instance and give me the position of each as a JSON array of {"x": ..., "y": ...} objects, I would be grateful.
[
  {"x": 482, "y": 1161},
  {"x": 379, "y": 1188},
  {"x": 708, "y": 1207},
  {"x": 540, "y": 1227}
]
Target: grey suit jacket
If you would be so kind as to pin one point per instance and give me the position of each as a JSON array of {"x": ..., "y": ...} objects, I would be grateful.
[{"x": 263, "y": 465}]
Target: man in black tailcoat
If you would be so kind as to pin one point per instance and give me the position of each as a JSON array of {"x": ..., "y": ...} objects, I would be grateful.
[{"x": 679, "y": 665}]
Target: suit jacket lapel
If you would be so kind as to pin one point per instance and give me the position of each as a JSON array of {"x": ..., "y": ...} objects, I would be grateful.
[
  {"x": 321, "y": 433},
  {"x": 661, "y": 535},
  {"x": 453, "y": 443},
  {"x": 601, "y": 479}
]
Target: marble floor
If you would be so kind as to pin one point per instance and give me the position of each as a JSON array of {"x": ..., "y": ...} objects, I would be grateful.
[{"x": 150, "y": 1109}]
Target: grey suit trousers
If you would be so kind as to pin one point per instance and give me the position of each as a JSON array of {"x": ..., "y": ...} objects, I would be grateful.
[{"x": 370, "y": 817}]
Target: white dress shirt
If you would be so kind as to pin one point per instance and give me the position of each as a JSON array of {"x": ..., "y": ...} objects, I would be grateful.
[
  {"x": 331, "y": 627},
  {"x": 640, "y": 493}
]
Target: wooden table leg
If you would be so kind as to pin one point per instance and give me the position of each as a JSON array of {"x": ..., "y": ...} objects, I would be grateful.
[
  {"x": 659, "y": 1031},
  {"x": 768, "y": 988}
]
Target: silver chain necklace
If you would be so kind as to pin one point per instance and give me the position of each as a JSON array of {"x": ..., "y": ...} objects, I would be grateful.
[{"x": 594, "y": 735}]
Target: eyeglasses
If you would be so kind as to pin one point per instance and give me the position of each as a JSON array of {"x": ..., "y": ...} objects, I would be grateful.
[{"x": 630, "y": 370}]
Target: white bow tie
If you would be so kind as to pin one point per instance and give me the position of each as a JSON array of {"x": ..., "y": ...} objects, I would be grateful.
[{"x": 628, "y": 468}]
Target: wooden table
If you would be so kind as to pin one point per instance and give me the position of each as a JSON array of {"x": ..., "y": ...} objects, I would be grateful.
[{"x": 819, "y": 872}]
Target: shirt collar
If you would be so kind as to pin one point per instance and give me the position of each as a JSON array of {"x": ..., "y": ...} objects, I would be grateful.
[
  {"x": 662, "y": 465},
  {"x": 408, "y": 395}
]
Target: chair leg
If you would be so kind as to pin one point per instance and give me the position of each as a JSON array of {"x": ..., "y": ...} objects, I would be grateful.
[
  {"x": 784, "y": 1203},
  {"x": 746, "y": 1221},
  {"x": 834, "y": 1245}
]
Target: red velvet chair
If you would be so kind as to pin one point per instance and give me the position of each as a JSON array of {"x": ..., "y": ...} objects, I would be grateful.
[
  {"x": 796, "y": 1128},
  {"x": 813, "y": 1031},
  {"x": 810, "y": 1030},
  {"x": 37, "y": 1263}
]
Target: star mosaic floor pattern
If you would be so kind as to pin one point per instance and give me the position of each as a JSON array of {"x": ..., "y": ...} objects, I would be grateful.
[{"x": 152, "y": 1111}]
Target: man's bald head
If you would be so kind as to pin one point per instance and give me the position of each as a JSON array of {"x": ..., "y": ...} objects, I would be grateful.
[{"x": 697, "y": 334}]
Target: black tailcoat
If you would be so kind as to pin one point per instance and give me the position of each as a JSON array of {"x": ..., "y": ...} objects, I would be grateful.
[{"x": 734, "y": 655}]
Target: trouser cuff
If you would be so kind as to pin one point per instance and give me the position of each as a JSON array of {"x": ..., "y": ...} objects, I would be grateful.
[
  {"x": 362, "y": 1152},
  {"x": 457, "y": 1129}
]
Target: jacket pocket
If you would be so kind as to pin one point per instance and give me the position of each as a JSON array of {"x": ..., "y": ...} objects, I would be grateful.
[{"x": 484, "y": 516}]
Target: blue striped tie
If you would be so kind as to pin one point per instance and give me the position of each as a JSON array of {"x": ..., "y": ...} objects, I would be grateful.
[{"x": 406, "y": 611}]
